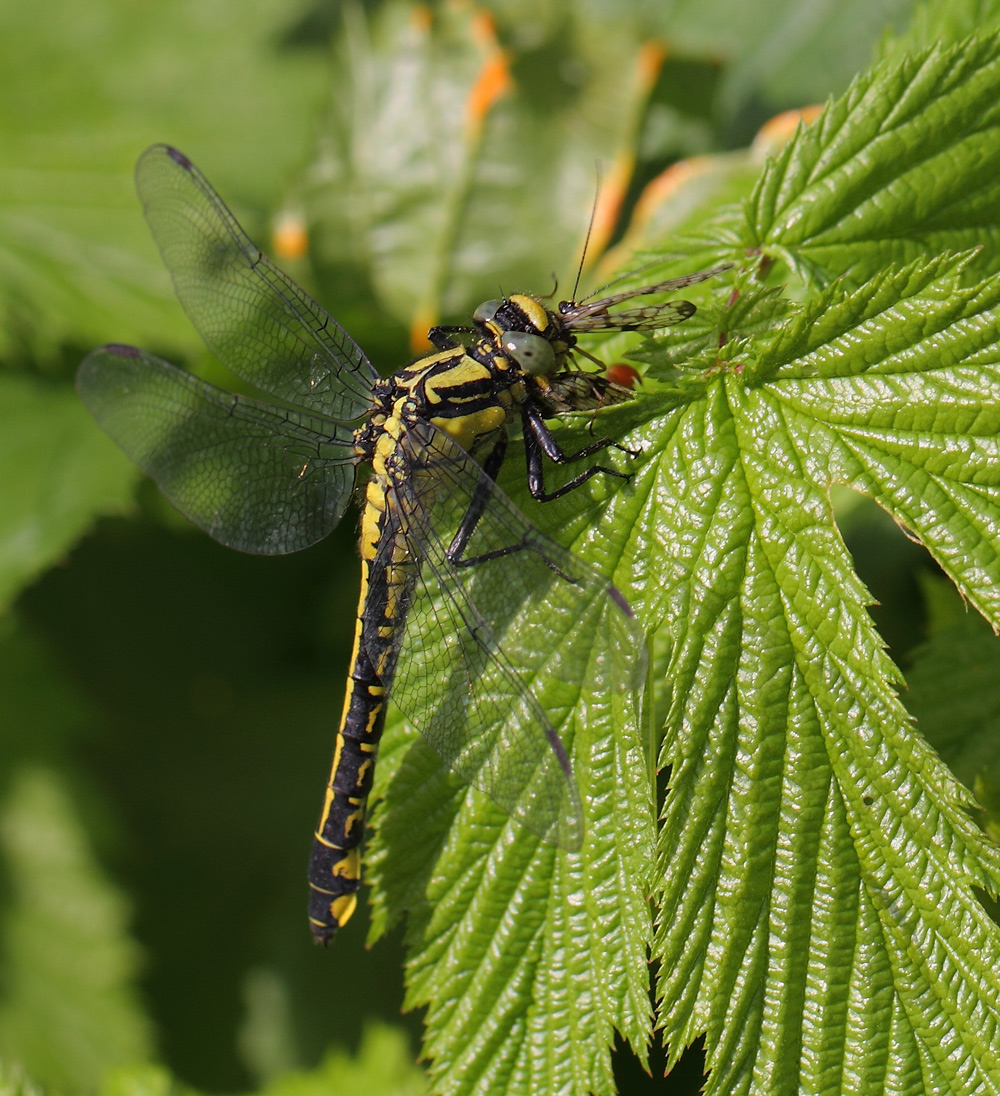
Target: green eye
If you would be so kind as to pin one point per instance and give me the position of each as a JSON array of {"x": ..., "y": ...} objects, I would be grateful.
[
  {"x": 532, "y": 353},
  {"x": 486, "y": 311}
]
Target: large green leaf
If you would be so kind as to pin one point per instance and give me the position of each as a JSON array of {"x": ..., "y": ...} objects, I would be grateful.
[
  {"x": 819, "y": 867},
  {"x": 820, "y": 916}
]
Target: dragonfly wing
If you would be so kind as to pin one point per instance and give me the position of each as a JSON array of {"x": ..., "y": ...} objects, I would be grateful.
[
  {"x": 255, "y": 477},
  {"x": 648, "y": 317},
  {"x": 483, "y": 641},
  {"x": 257, "y": 321}
]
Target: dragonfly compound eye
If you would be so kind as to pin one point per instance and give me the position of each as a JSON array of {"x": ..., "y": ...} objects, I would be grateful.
[
  {"x": 533, "y": 353},
  {"x": 486, "y": 312}
]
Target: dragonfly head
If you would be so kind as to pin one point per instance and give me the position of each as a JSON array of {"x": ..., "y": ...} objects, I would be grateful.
[{"x": 526, "y": 332}]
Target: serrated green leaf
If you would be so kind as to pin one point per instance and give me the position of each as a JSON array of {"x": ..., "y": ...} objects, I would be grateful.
[
  {"x": 908, "y": 391},
  {"x": 819, "y": 868},
  {"x": 906, "y": 163}
]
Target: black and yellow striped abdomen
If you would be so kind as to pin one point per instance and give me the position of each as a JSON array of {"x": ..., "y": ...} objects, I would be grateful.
[{"x": 335, "y": 864}]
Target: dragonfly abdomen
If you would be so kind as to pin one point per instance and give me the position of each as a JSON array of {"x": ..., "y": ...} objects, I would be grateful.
[
  {"x": 335, "y": 863},
  {"x": 386, "y": 579}
]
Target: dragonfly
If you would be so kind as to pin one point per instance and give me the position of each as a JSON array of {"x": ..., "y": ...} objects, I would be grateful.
[{"x": 452, "y": 573}]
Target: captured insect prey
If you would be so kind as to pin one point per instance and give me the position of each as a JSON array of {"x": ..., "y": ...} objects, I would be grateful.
[{"x": 451, "y": 570}]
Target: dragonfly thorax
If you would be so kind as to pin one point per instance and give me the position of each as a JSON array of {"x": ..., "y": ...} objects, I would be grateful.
[{"x": 468, "y": 394}]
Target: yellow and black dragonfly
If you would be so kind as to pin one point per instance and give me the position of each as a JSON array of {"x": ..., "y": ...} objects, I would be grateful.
[{"x": 451, "y": 569}]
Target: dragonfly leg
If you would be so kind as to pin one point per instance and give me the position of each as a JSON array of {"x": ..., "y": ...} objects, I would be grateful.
[
  {"x": 480, "y": 500},
  {"x": 442, "y": 337},
  {"x": 538, "y": 439},
  {"x": 491, "y": 466}
]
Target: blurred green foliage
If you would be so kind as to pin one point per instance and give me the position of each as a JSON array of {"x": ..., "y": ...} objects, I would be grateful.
[{"x": 167, "y": 707}]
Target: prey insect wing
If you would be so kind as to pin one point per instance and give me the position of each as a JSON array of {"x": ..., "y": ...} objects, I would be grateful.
[
  {"x": 255, "y": 477},
  {"x": 253, "y": 317},
  {"x": 593, "y": 315},
  {"x": 636, "y": 319},
  {"x": 568, "y": 392}
]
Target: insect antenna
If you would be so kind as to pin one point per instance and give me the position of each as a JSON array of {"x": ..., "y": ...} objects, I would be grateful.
[{"x": 590, "y": 229}]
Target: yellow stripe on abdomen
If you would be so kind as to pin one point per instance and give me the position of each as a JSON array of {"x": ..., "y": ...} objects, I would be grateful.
[{"x": 335, "y": 863}]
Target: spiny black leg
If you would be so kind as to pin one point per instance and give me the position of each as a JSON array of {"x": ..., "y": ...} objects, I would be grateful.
[
  {"x": 491, "y": 466},
  {"x": 535, "y": 423},
  {"x": 480, "y": 499},
  {"x": 538, "y": 439}
]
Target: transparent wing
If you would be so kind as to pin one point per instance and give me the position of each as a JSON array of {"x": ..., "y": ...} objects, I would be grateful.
[
  {"x": 593, "y": 315},
  {"x": 646, "y": 318},
  {"x": 482, "y": 642},
  {"x": 255, "y": 477},
  {"x": 256, "y": 320}
]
